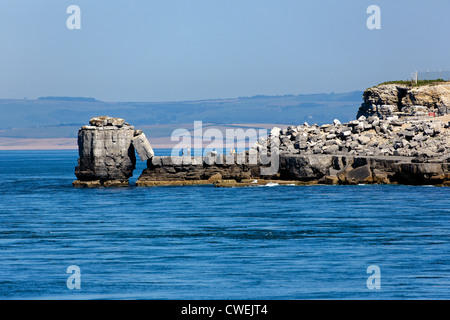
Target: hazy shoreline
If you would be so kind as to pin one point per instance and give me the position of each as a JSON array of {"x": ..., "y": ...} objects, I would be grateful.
[
  {"x": 10, "y": 144},
  {"x": 152, "y": 132}
]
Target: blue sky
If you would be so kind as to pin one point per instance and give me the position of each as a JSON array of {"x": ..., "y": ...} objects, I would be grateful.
[{"x": 170, "y": 50}]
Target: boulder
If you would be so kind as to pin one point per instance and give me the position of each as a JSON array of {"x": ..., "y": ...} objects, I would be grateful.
[
  {"x": 359, "y": 175},
  {"x": 336, "y": 122},
  {"x": 215, "y": 177},
  {"x": 106, "y": 121},
  {"x": 142, "y": 147},
  {"x": 363, "y": 140}
]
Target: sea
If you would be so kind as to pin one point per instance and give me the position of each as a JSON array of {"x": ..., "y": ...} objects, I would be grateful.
[{"x": 201, "y": 242}]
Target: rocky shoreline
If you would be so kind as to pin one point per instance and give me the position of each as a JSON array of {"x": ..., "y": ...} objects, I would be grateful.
[
  {"x": 404, "y": 144},
  {"x": 301, "y": 170}
]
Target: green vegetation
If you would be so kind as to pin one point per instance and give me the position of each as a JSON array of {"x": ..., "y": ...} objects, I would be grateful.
[{"x": 412, "y": 84}]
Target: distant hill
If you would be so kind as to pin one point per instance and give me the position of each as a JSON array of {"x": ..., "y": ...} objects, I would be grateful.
[
  {"x": 82, "y": 99},
  {"x": 60, "y": 117}
]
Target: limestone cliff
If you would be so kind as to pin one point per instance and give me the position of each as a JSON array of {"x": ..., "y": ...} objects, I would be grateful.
[{"x": 406, "y": 100}]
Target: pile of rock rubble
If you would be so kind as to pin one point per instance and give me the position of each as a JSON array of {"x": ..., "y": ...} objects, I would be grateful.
[{"x": 372, "y": 136}]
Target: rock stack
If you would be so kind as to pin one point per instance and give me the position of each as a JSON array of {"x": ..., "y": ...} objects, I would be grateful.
[{"x": 107, "y": 152}]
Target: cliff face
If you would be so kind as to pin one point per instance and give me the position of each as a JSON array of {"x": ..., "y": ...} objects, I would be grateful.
[
  {"x": 432, "y": 96},
  {"x": 391, "y": 99},
  {"x": 165, "y": 171},
  {"x": 297, "y": 169},
  {"x": 107, "y": 152}
]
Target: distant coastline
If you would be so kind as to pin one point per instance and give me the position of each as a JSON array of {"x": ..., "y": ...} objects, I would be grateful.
[
  {"x": 38, "y": 144},
  {"x": 160, "y": 135},
  {"x": 62, "y": 144},
  {"x": 53, "y": 122},
  {"x": 78, "y": 99}
]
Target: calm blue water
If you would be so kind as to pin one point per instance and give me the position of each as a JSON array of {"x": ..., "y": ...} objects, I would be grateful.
[{"x": 201, "y": 242}]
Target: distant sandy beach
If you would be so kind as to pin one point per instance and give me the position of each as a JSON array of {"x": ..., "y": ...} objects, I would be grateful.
[
  {"x": 38, "y": 144},
  {"x": 63, "y": 144},
  {"x": 164, "y": 142}
]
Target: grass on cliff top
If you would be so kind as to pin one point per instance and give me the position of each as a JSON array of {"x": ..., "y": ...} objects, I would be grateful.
[{"x": 411, "y": 84}]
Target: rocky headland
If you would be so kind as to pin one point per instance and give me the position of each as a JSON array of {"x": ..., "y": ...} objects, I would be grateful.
[
  {"x": 405, "y": 100},
  {"x": 401, "y": 136}
]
